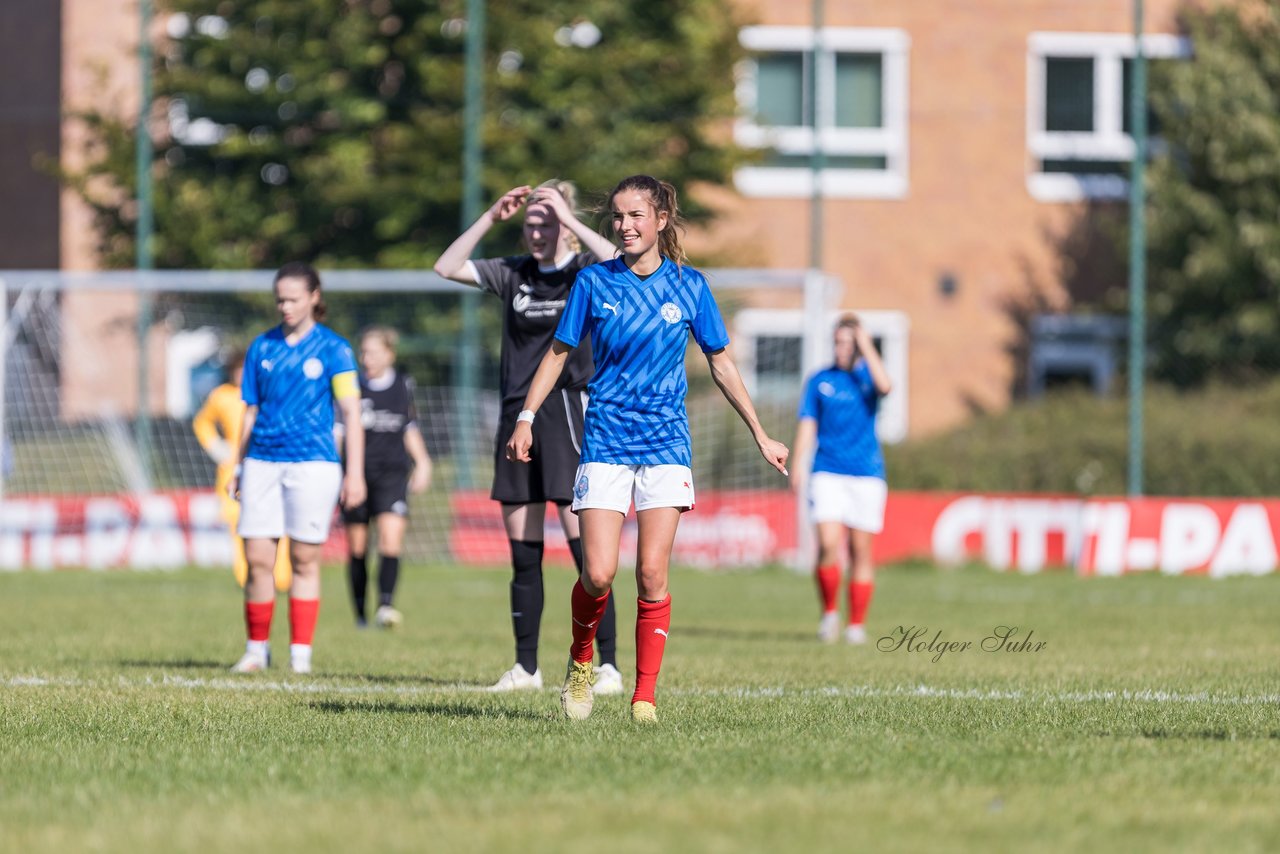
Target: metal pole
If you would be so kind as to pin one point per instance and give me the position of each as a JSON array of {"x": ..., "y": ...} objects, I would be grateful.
[
  {"x": 6, "y": 452},
  {"x": 818, "y": 162},
  {"x": 1137, "y": 254},
  {"x": 143, "y": 153},
  {"x": 467, "y": 368}
]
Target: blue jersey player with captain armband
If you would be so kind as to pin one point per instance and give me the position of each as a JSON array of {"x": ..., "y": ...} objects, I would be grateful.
[{"x": 638, "y": 310}]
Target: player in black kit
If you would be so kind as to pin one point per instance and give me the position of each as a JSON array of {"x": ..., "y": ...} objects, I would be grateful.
[
  {"x": 533, "y": 289},
  {"x": 395, "y": 461}
]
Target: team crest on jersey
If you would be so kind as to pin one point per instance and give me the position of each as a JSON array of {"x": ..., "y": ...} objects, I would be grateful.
[
  {"x": 671, "y": 312},
  {"x": 580, "y": 489},
  {"x": 312, "y": 368},
  {"x": 826, "y": 389},
  {"x": 266, "y": 364}
]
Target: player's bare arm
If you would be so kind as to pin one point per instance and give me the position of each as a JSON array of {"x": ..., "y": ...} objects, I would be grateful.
[
  {"x": 802, "y": 452},
  {"x": 420, "y": 479},
  {"x": 543, "y": 382},
  {"x": 353, "y": 485},
  {"x": 246, "y": 432},
  {"x": 875, "y": 365},
  {"x": 729, "y": 381},
  {"x": 452, "y": 263}
]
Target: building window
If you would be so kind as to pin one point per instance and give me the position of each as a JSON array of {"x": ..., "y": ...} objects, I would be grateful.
[
  {"x": 770, "y": 347},
  {"x": 1078, "y": 128},
  {"x": 857, "y": 121}
]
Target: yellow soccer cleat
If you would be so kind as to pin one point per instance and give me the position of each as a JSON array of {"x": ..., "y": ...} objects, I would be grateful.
[
  {"x": 575, "y": 697},
  {"x": 643, "y": 712}
]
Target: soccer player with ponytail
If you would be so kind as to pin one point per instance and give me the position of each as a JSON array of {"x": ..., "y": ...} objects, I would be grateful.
[
  {"x": 288, "y": 477},
  {"x": 638, "y": 311},
  {"x": 533, "y": 289}
]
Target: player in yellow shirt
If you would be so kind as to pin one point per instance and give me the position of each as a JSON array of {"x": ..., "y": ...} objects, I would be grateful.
[{"x": 217, "y": 429}]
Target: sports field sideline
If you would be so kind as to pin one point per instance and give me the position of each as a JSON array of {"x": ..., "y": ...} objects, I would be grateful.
[{"x": 1148, "y": 719}]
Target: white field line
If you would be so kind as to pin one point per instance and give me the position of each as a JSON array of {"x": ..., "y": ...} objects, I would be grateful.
[{"x": 320, "y": 686}]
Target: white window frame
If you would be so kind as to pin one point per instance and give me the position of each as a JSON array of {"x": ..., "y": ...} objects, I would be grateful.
[
  {"x": 891, "y": 328},
  {"x": 889, "y": 141},
  {"x": 1107, "y": 140}
]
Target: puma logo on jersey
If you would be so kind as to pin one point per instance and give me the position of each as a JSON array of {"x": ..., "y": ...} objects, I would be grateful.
[{"x": 613, "y": 308}]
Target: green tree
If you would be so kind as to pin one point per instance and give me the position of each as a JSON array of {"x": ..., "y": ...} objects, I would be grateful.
[
  {"x": 331, "y": 131},
  {"x": 1215, "y": 200}
]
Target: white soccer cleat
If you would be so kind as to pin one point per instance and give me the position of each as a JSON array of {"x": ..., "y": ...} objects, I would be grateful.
[
  {"x": 518, "y": 679},
  {"x": 855, "y": 635},
  {"x": 829, "y": 627},
  {"x": 575, "y": 697},
  {"x": 387, "y": 617},
  {"x": 251, "y": 662},
  {"x": 608, "y": 681},
  {"x": 300, "y": 658}
]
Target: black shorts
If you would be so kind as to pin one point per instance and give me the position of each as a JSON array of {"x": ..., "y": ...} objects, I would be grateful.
[
  {"x": 557, "y": 447},
  {"x": 388, "y": 493}
]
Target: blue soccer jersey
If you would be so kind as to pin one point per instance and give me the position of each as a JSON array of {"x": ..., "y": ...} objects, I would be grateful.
[
  {"x": 293, "y": 386},
  {"x": 844, "y": 403},
  {"x": 639, "y": 330}
]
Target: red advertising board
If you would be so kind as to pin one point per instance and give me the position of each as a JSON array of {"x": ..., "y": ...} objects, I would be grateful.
[{"x": 1025, "y": 533}]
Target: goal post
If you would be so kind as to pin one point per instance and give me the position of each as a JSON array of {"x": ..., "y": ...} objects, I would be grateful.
[{"x": 78, "y": 488}]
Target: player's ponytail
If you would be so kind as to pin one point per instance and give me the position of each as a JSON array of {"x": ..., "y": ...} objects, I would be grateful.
[
  {"x": 304, "y": 271},
  {"x": 663, "y": 197}
]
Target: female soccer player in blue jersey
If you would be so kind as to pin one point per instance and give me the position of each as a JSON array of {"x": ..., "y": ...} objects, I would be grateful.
[
  {"x": 533, "y": 289},
  {"x": 638, "y": 310},
  {"x": 289, "y": 478},
  {"x": 846, "y": 491}
]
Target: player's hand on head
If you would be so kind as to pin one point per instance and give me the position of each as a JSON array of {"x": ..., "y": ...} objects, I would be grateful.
[
  {"x": 511, "y": 201},
  {"x": 552, "y": 198},
  {"x": 520, "y": 442},
  {"x": 776, "y": 453}
]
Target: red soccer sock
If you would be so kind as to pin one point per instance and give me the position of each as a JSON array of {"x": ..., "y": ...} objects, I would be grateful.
[
  {"x": 828, "y": 578},
  {"x": 859, "y": 599},
  {"x": 653, "y": 621},
  {"x": 257, "y": 619},
  {"x": 302, "y": 620},
  {"x": 587, "y": 611}
]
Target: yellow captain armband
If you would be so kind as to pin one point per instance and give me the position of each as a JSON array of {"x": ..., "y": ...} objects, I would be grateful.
[{"x": 345, "y": 385}]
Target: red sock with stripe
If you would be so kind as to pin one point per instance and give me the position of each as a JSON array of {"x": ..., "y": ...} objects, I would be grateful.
[
  {"x": 859, "y": 600},
  {"x": 653, "y": 621},
  {"x": 587, "y": 611},
  {"x": 828, "y": 578},
  {"x": 302, "y": 620},
  {"x": 257, "y": 620}
]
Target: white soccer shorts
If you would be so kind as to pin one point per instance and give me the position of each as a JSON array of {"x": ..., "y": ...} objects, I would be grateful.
[
  {"x": 611, "y": 486},
  {"x": 855, "y": 502},
  {"x": 288, "y": 499}
]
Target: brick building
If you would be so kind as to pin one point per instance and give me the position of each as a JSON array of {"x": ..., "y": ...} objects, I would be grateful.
[{"x": 961, "y": 140}]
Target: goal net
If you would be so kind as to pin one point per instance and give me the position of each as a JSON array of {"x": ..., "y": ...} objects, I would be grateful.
[{"x": 95, "y": 474}]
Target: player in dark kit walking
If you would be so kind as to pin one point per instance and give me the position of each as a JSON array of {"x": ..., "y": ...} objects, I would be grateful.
[
  {"x": 395, "y": 462},
  {"x": 533, "y": 289}
]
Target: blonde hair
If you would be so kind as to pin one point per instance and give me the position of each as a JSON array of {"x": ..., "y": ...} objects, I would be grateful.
[
  {"x": 388, "y": 336},
  {"x": 570, "y": 193},
  {"x": 663, "y": 197}
]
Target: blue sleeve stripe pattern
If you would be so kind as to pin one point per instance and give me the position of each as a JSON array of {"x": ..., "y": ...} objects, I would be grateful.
[{"x": 292, "y": 384}]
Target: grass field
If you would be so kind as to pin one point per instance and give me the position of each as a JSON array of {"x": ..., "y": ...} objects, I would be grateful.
[{"x": 1150, "y": 720}]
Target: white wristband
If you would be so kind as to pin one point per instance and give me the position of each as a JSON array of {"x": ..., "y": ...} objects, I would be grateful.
[{"x": 526, "y": 415}]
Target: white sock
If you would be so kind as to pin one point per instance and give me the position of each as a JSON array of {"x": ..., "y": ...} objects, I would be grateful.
[
  {"x": 300, "y": 653},
  {"x": 258, "y": 648}
]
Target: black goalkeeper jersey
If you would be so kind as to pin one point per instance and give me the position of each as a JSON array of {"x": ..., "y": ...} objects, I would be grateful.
[
  {"x": 533, "y": 301},
  {"x": 386, "y": 412}
]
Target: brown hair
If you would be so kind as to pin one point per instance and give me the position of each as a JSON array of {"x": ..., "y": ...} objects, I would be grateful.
[
  {"x": 570, "y": 193},
  {"x": 233, "y": 359},
  {"x": 304, "y": 271},
  {"x": 848, "y": 321},
  {"x": 388, "y": 336},
  {"x": 663, "y": 197}
]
